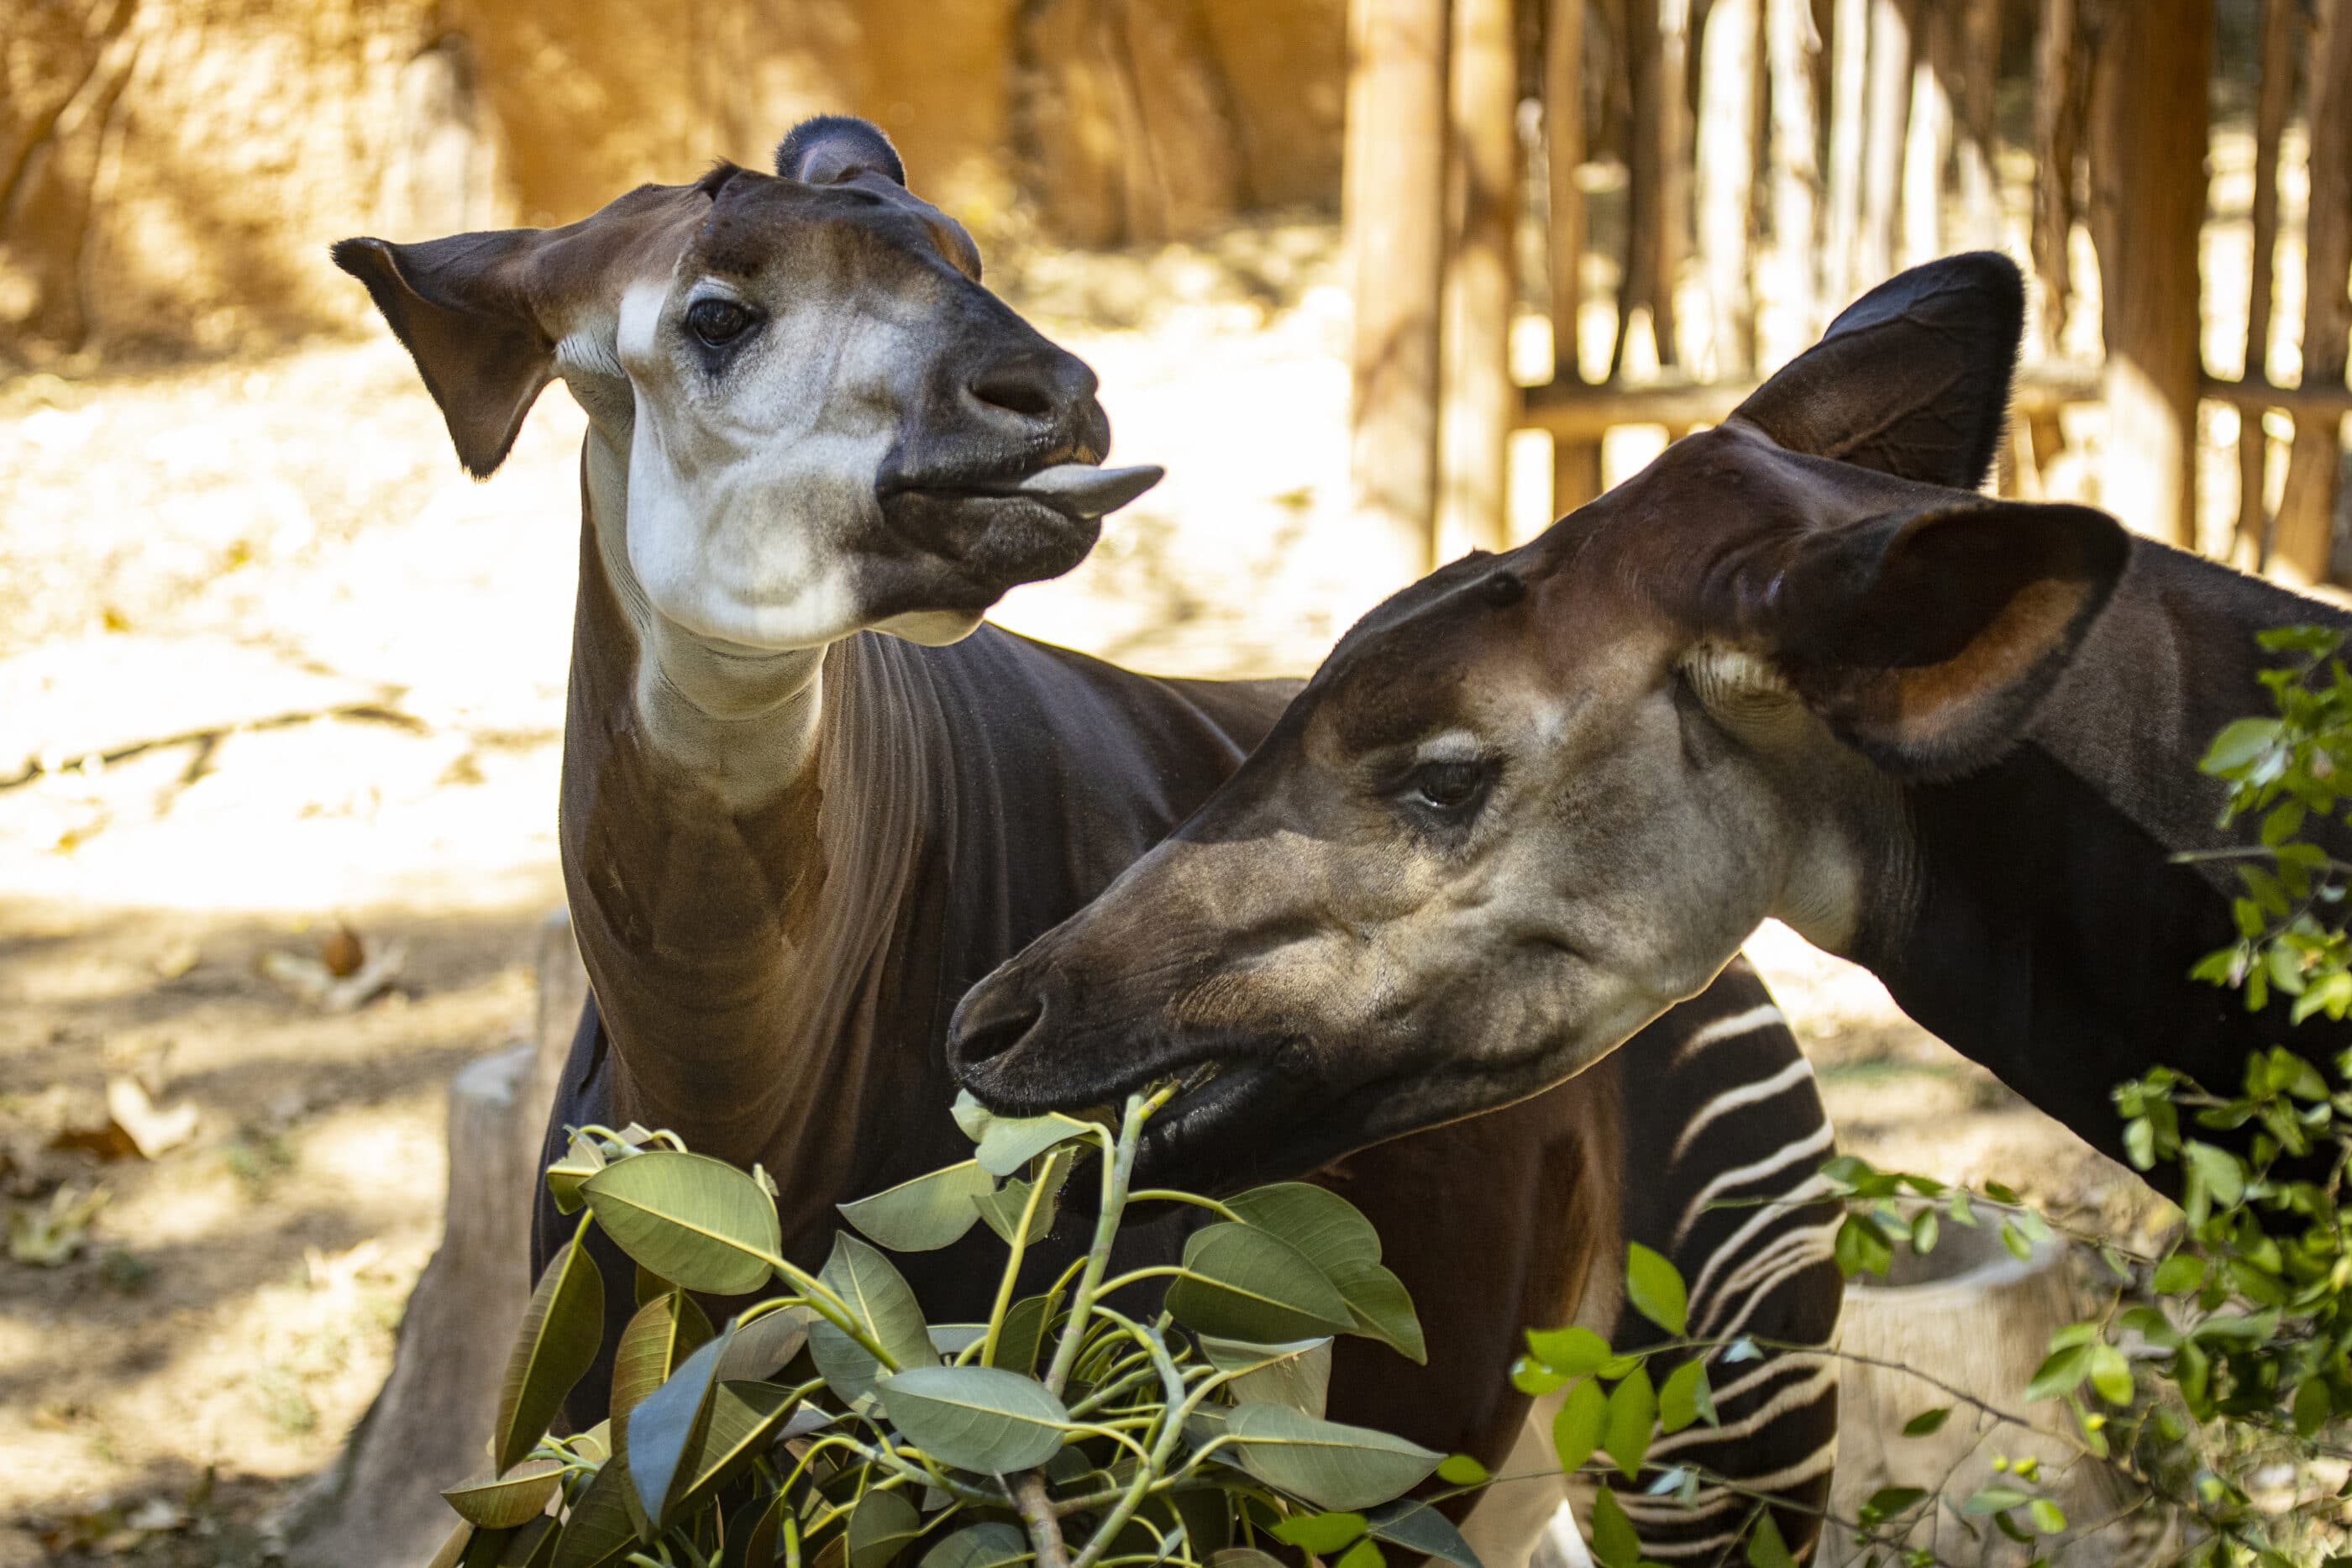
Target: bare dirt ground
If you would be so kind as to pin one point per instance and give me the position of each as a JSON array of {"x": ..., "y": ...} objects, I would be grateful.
[{"x": 269, "y": 664}]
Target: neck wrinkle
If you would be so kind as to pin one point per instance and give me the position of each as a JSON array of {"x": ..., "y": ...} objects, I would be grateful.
[{"x": 749, "y": 930}]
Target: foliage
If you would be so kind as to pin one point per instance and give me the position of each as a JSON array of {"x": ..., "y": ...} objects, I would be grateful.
[{"x": 833, "y": 1425}]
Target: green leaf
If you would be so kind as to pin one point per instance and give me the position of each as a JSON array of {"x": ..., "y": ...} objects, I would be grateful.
[
  {"x": 1023, "y": 1332},
  {"x": 502, "y": 1502},
  {"x": 581, "y": 1161},
  {"x": 1765, "y": 1549},
  {"x": 660, "y": 1437},
  {"x": 2111, "y": 1375},
  {"x": 2225, "y": 1178},
  {"x": 1244, "y": 1557},
  {"x": 1003, "y": 1207},
  {"x": 883, "y": 1522},
  {"x": 1010, "y": 1144},
  {"x": 753, "y": 1531},
  {"x": 1573, "y": 1352},
  {"x": 1381, "y": 1307},
  {"x": 1928, "y": 1422},
  {"x": 1462, "y": 1470},
  {"x": 1614, "y": 1540},
  {"x": 2239, "y": 742},
  {"x": 2180, "y": 1274},
  {"x": 2047, "y": 1516},
  {"x": 1330, "y": 1465},
  {"x": 1365, "y": 1554},
  {"x": 1577, "y": 1425},
  {"x": 1655, "y": 1286},
  {"x": 1680, "y": 1396},
  {"x": 1418, "y": 1527},
  {"x": 561, "y": 1331},
  {"x": 662, "y": 1332},
  {"x": 2061, "y": 1373},
  {"x": 994, "y": 1544},
  {"x": 1923, "y": 1230},
  {"x": 878, "y": 1298},
  {"x": 971, "y": 1115},
  {"x": 1632, "y": 1408},
  {"x": 924, "y": 1214},
  {"x": 977, "y": 1417},
  {"x": 2312, "y": 1407},
  {"x": 1298, "y": 1374},
  {"x": 1241, "y": 1283},
  {"x": 598, "y": 1531},
  {"x": 765, "y": 1346},
  {"x": 2020, "y": 1248},
  {"x": 747, "y": 1419},
  {"x": 1888, "y": 1501},
  {"x": 1321, "y": 1224},
  {"x": 533, "y": 1545},
  {"x": 1993, "y": 1500},
  {"x": 688, "y": 1217},
  {"x": 1320, "y": 1534}
]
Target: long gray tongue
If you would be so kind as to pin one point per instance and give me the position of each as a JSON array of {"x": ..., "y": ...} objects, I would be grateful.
[{"x": 1083, "y": 490}]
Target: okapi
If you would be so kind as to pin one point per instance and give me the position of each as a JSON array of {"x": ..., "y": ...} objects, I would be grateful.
[
  {"x": 1797, "y": 667},
  {"x": 809, "y": 797}
]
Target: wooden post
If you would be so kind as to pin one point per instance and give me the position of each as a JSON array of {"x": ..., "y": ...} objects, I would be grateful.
[
  {"x": 1575, "y": 465},
  {"x": 2148, "y": 203},
  {"x": 1655, "y": 35},
  {"x": 1927, "y": 140},
  {"x": 1849, "y": 98},
  {"x": 1478, "y": 402},
  {"x": 2314, "y": 465},
  {"x": 2059, "y": 89},
  {"x": 1977, "y": 69},
  {"x": 2272, "y": 94},
  {"x": 1726, "y": 180},
  {"x": 1393, "y": 196},
  {"x": 1884, "y": 118},
  {"x": 1788, "y": 318}
]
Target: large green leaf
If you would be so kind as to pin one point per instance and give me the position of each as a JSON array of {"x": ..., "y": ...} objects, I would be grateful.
[
  {"x": 994, "y": 1544},
  {"x": 765, "y": 1346},
  {"x": 1024, "y": 1334},
  {"x": 662, "y": 1332},
  {"x": 1381, "y": 1307},
  {"x": 1241, "y": 1283},
  {"x": 660, "y": 1437},
  {"x": 1008, "y": 1143},
  {"x": 878, "y": 1297},
  {"x": 1319, "y": 1222},
  {"x": 747, "y": 1419},
  {"x": 1633, "y": 1409},
  {"x": 924, "y": 1214},
  {"x": 1003, "y": 1207},
  {"x": 502, "y": 1502},
  {"x": 1329, "y": 1464},
  {"x": 598, "y": 1531},
  {"x": 1655, "y": 1286},
  {"x": 1298, "y": 1374},
  {"x": 883, "y": 1521},
  {"x": 1578, "y": 1424},
  {"x": 977, "y": 1417},
  {"x": 687, "y": 1217},
  {"x": 561, "y": 1331},
  {"x": 1418, "y": 1527}
]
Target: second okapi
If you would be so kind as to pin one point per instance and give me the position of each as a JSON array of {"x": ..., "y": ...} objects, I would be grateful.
[{"x": 808, "y": 796}]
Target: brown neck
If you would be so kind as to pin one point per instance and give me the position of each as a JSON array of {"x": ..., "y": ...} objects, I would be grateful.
[{"x": 742, "y": 883}]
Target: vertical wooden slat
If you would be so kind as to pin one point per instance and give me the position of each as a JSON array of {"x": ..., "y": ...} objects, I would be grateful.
[
  {"x": 1884, "y": 120},
  {"x": 2148, "y": 203},
  {"x": 1657, "y": 202},
  {"x": 1575, "y": 465},
  {"x": 2058, "y": 93},
  {"x": 1479, "y": 402},
  {"x": 1790, "y": 319},
  {"x": 1849, "y": 100},
  {"x": 2272, "y": 93},
  {"x": 1977, "y": 69},
  {"x": 1394, "y": 206},
  {"x": 2315, "y": 463},
  {"x": 1727, "y": 179},
  {"x": 1928, "y": 138}
]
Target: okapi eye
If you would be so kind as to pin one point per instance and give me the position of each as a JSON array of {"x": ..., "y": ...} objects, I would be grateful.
[
  {"x": 719, "y": 321},
  {"x": 1448, "y": 788}
]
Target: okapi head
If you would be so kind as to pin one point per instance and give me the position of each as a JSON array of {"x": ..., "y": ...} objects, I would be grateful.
[
  {"x": 1535, "y": 799},
  {"x": 828, "y": 424}
]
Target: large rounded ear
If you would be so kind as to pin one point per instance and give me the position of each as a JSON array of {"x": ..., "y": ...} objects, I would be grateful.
[
  {"x": 1928, "y": 639},
  {"x": 828, "y": 148},
  {"x": 1912, "y": 380},
  {"x": 461, "y": 307}
]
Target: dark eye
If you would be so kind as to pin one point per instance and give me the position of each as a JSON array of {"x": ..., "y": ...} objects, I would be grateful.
[
  {"x": 720, "y": 321},
  {"x": 1451, "y": 788}
]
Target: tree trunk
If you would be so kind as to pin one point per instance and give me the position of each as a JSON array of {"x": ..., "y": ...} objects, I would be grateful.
[
  {"x": 2306, "y": 533},
  {"x": 1727, "y": 172},
  {"x": 2148, "y": 203},
  {"x": 1655, "y": 36},
  {"x": 2274, "y": 90},
  {"x": 1575, "y": 465},
  {"x": 1478, "y": 400},
  {"x": 1393, "y": 202},
  {"x": 1789, "y": 317}
]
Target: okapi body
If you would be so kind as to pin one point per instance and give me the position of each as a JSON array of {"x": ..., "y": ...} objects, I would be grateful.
[{"x": 808, "y": 798}]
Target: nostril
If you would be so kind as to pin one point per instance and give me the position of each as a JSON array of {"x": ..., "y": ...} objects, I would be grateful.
[
  {"x": 991, "y": 1022},
  {"x": 1020, "y": 386}
]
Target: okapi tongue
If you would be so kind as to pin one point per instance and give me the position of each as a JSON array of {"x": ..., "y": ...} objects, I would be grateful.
[{"x": 1083, "y": 490}]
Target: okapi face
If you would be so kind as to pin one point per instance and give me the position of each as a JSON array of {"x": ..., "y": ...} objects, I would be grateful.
[
  {"x": 1538, "y": 797},
  {"x": 827, "y": 423}
]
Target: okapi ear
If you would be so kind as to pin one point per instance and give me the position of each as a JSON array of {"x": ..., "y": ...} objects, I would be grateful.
[
  {"x": 1912, "y": 380},
  {"x": 459, "y": 306},
  {"x": 1928, "y": 639},
  {"x": 829, "y": 148}
]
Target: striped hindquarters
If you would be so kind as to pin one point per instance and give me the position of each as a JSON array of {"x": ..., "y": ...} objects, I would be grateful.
[{"x": 1724, "y": 1141}]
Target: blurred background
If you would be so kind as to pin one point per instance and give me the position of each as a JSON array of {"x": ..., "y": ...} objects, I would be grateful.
[{"x": 281, "y": 690}]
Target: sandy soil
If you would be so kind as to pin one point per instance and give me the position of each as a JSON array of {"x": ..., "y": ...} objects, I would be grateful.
[{"x": 268, "y": 663}]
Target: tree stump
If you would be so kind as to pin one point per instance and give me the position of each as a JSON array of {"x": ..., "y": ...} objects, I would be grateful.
[{"x": 430, "y": 1428}]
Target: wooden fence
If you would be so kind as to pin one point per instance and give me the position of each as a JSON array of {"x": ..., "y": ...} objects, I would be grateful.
[{"x": 1779, "y": 157}]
